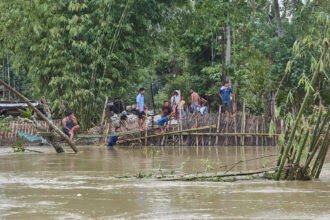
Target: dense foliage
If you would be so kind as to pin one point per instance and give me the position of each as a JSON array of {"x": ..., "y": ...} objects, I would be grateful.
[{"x": 75, "y": 53}]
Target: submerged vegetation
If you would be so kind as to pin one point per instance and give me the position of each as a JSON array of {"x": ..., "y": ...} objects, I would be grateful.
[{"x": 18, "y": 146}]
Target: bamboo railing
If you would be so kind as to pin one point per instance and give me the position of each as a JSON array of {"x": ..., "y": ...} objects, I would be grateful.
[
  {"x": 8, "y": 135},
  {"x": 212, "y": 130}
]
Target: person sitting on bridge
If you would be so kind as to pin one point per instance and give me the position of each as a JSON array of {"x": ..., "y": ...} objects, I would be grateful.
[
  {"x": 70, "y": 124},
  {"x": 202, "y": 108},
  {"x": 167, "y": 114}
]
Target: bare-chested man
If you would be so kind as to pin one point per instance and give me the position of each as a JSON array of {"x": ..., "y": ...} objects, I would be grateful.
[
  {"x": 194, "y": 100},
  {"x": 70, "y": 124}
]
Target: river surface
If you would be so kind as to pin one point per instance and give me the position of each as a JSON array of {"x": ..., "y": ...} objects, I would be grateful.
[{"x": 84, "y": 185}]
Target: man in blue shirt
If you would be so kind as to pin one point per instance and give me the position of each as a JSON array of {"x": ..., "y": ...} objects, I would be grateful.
[
  {"x": 226, "y": 96},
  {"x": 140, "y": 108},
  {"x": 114, "y": 138}
]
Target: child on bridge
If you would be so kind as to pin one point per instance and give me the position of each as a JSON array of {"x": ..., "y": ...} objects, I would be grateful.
[{"x": 167, "y": 114}]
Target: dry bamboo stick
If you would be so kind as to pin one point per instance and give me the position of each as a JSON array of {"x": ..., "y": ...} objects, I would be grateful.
[
  {"x": 231, "y": 134},
  {"x": 201, "y": 176}
]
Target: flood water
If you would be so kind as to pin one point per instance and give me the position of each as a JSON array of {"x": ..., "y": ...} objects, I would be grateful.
[{"x": 83, "y": 186}]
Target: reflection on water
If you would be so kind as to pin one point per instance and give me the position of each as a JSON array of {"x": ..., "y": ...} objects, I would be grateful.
[{"x": 82, "y": 185}]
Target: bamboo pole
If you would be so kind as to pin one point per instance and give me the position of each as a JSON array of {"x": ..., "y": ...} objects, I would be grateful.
[
  {"x": 243, "y": 123},
  {"x": 104, "y": 110},
  {"x": 257, "y": 131},
  {"x": 194, "y": 177},
  {"x": 146, "y": 131},
  {"x": 301, "y": 148},
  {"x": 286, "y": 135},
  {"x": 317, "y": 146},
  {"x": 319, "y": 161},
  {"x": 314, "y": 135},
  {"x": 293, "y": 150},
  {"x": 107, "y": 131},
  {"x": 262, "y": 129},
  {"x": 197, "y": 127},
  {"x": 41, "y": 115},
  {"x": 218, "y": 125},
  {"x": 318, "y": 130},
  {"x": 235, "y": 127},
  {"x": 179, "y": 122},
  {"x": 323, "y": 155},
  {"x": 227, "y": 126}
]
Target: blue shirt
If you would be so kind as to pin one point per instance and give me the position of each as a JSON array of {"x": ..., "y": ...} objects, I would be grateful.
[
  {"x": 225, "y": 93},
  {"x": 140, "y": 102},
  {"x": 112, "y": 140}
]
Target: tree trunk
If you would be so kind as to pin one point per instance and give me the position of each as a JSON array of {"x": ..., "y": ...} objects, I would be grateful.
[
  {"x": 212, "y": 50},
  {"x": 223, "y": 55},
  {"x": 278, "y": 19},
  {"x": 228, "y": 46},
  {"x": 8, "y": 71}
]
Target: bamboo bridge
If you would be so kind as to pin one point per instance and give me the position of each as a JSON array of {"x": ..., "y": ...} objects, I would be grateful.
[{"x": 213, "y": 129}]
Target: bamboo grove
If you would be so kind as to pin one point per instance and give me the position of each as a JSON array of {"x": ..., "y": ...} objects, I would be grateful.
[{"x": 307, "y": 139}]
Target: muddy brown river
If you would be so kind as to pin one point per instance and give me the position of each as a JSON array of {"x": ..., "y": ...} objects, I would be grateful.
[{"x": 84, "y": 185}]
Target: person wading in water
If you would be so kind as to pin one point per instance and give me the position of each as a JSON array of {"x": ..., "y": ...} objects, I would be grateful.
[
  {"x": 114, "y": 138},
  {"x": 70, "y": 124}
]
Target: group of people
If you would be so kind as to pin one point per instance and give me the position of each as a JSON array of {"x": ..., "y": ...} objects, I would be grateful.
[{"x": 175, "y": 108}]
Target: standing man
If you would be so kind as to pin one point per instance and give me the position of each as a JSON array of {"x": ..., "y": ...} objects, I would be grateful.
[
  {"x": 140, "y": 108},
  {"x": 226, "y": 96},
  {"x": 194, "y": 101}
]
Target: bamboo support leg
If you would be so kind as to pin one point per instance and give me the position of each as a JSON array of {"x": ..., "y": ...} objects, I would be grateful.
[
  {"x": 257, "y": 131},
  {"x": 227, "y": 126},
  {"x": 218, "y": 126}
]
